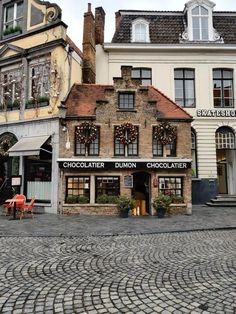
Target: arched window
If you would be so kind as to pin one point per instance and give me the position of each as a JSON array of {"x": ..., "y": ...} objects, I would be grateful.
[
  {"x": 140, "y": 31},
  {"x": 200, "y": 23},
  {"x": 225, "y": 138},
  {"x": 194, "y": 153}
]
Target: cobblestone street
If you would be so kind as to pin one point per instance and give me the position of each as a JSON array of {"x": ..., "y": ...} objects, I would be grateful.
[{"x": 189, "y": 272}]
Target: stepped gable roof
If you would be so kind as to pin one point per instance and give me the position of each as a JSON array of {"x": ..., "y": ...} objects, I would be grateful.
[
  {"x": 166, "y": 26},
  {"x": 82, "y": 101}
]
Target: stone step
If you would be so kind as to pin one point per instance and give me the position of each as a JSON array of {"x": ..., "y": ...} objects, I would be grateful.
[
  {"x": 221, "y": 204},
  {"x": 224, "y": 200}
]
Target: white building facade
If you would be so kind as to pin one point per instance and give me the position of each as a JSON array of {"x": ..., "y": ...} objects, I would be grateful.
[{"x": 190, "y": 56}]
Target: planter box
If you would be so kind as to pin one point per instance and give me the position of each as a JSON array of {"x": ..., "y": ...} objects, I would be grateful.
[{"x": 90, "y": 209}]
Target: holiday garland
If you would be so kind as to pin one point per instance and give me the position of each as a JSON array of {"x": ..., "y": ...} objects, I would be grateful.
[
  {"x": 126, "y": 133},
  {"x": 86, "y": 132},
  {"x": 165, "y": 133}
]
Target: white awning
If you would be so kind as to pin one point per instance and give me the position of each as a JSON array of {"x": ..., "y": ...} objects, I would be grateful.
[{"x": 28, "y": 146}]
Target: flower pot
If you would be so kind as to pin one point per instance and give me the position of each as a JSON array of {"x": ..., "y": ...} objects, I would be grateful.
[
  {"x": 124, "y": 213},
  {"x": 161, "y": 211}
]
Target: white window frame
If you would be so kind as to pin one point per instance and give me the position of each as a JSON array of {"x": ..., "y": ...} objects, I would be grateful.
[
  {"x": 208, "y": 6},
  {"x": 16, "y": 18},
  {"x": 134, "y": 35}
]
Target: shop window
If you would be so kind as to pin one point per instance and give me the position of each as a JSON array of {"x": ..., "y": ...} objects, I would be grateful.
[
  {"x": 78, "y": 187},
  {"x": 13, "y": 18},
  {"x": 143, "y": 75},
  {"x": 127, "y": 149},
  {"x": 223, "y": 88},
  {"x": 171, "y": 186},
  {"x": 185, "y": 87},
  {"x": 194, "y": 153},
  {"x": 126, "y": 101},
  {"x": 225, "y": 138},
  {"x": 91, "y": 149},
  {"x": 38, "y": 178},
  {"x": 108, "y": 185}
]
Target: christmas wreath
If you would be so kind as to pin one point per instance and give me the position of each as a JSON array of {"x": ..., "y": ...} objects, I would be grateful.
[
  {"x": 126, "y": 133},
  {"x": 165, "y": 133},
  {"x": 86, "y": 132}
]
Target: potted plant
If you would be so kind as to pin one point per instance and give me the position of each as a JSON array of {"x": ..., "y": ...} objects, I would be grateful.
[
  {"x": 161, "y": 203},
  {"x": 125, "y": 204},
  {"x": 177, "y": 199}
]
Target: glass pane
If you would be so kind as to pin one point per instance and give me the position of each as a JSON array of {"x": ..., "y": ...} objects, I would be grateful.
[
  {"x": 146, "y": 73},
  {"x": 216, "y": 74},
  {"x": 136, "y": 73},
  {"x": 196, "y": 23},
  {"x": 195, "y": 11},
  {"x": 196, "y": 34},
  {"x": 189, "y": 89},
  {"x": 19, "y": 12},
  {"x": 179, "y": 73},
  {"x": 228, "y": 74},
  {"x": 146, "y": 82},
  {"x": 189, "y": 74},
  {"x": 9, "y": 13},
  {"x": 203, "y": 11}
]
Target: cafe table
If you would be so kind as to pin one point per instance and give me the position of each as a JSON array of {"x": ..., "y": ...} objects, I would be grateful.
[{"x": 15, "y": 203}]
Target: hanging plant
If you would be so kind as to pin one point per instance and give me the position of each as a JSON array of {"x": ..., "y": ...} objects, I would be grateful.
[
  {"x": 165, "y": 133},
  {"x": 126, "y": 133},
  {"x": 86, "y": 132},
  {"x": 5, "y": 143}
]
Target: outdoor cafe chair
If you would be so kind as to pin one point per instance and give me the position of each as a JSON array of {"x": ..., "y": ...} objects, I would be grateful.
[
  {"x": 8, "y": 206},
  {"x": 27, "y": 208}
]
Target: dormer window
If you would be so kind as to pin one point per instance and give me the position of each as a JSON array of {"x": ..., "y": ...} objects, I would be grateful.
[
  {"x": 13, "y": 17},
  {"x": 200, "y": 23},
  {"x": 140, "y": 31}
]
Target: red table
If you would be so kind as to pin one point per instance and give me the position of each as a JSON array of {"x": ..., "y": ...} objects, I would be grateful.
[{"x": 16, "y": 202}]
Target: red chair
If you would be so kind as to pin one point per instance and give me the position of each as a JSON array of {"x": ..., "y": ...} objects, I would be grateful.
[
  {"x": 8, "y": 206},
  {"x": 27, "y": 208}
]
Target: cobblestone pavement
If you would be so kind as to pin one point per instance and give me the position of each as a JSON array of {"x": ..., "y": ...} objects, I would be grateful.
[
  {"x": 182, "y": 272},
  {"x": 203, "y": 218}
]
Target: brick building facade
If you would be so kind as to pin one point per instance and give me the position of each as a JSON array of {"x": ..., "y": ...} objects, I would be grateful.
[{"x": 122, "y": 139}]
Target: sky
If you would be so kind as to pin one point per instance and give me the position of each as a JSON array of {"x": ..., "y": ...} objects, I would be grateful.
[{"x": 73, "y": 12}]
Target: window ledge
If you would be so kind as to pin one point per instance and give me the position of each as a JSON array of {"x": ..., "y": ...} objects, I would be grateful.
[{"x": 126, "y": 110}]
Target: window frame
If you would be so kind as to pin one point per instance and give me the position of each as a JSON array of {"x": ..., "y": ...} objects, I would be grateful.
[
  {"x": 15, "y": 20},
  {"x": 84, "y": 182},
  {"x": 167, "y": 191},
  {"x": 131, "y": 102},
  {"x": 116, "y": 188},
  {"x": 142, "y": 77},
  {"x": 225, "y": 138},
  {"x": 86, "y": 148},
  {"x": 222, "y": 79},
  {"x": 126, "y": 148},
  {"x": 185, "y": 79},
  {"x": 135, "y": 24},
  {"x": 194, "y": 153}
]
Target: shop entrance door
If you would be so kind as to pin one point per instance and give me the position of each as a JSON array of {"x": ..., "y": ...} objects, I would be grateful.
[
  {"x": 222, "y": 178},
  {"x": 141, "y": 193}
]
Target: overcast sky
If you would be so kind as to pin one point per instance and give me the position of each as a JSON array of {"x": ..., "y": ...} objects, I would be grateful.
[{"x": 73, "y": 11}]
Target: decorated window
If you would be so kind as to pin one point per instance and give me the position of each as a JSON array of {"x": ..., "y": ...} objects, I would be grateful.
[
  {"x": 13, "y": 18},
  {"x": 126, "y": 100},
  {"x": 11, "y": 84},
  {"x": 109, "y": 185},
  {"x": 126, "y": 140},
  {"x": 140, "y": 31},
  {"x": 39, "y": 81},
  {"x": 223, "y": 88},
  {"x": 171, "y": 186},
  {"x": 185, "y": 87},
  {"x": 194, "y": 153},
  {"x": 143, "y": 75},
  {"x": 164, "y": 140},
  {"x": 87, "y": 139},
  {"x": 77, "y": 189}
]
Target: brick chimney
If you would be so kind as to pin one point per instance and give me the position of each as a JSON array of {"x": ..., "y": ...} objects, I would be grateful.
[
  {"x": 118, "y": 18},
  {"x": 126, "y": 72},
  {"x": 99, "y": 25},
  {"x": 89, "y": 52}
]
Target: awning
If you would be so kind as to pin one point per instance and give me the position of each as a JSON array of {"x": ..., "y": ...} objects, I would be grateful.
[{"x": 28, "y": 146}]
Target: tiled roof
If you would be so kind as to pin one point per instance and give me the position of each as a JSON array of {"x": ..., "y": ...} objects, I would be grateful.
[
  {"x": 82, "y": 101},
  {"x": 73, "y": 45},
  {"x": 165, "y": 27}
]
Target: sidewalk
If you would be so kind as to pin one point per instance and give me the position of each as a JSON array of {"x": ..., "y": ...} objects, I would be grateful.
[{"x": 203, "y": 218}]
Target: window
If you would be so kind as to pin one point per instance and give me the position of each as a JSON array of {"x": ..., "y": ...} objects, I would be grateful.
[
  {"x": 130, "y": 149},
  {"x": 194, "y": 153},
  {"x": 140, "y": 31},
  {"x": 184, "y": 87},
  {"x": 78, "y": 186},
  {"x": 143, "y": 75},
  {"x": 160, "y": 150},
  {"x": 225, "y": 138},
  {"x": 11, "y": 89},
  {"x": 126, "y": 101},
  {"x": 13, "y": 16},
  {"x": 39, "y": 78},
  {"x": 107, "y": 185},
  {"x": 171, "y": 186},
  {"x": 200, "y": 20},
  {"x": 223, "y": 88},
  {"x": 91, "y": 149}
]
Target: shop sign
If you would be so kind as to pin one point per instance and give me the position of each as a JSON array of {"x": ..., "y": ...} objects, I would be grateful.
[
  {"x": 128, "y": 181},
  {"x": 216, "y": 113},
  {"x": 110, "y": 165}
]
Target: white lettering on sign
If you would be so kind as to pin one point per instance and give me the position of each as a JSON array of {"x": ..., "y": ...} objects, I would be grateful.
[
  {"x": 79, "y": 164},
  {"x": 216, "y": 113},
  {"x": 130, "y": 165},
  {"x": 166, "y": 165}
]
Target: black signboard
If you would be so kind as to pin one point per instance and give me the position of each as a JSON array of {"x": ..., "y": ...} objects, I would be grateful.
[{"x": 128, "y": 181}]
